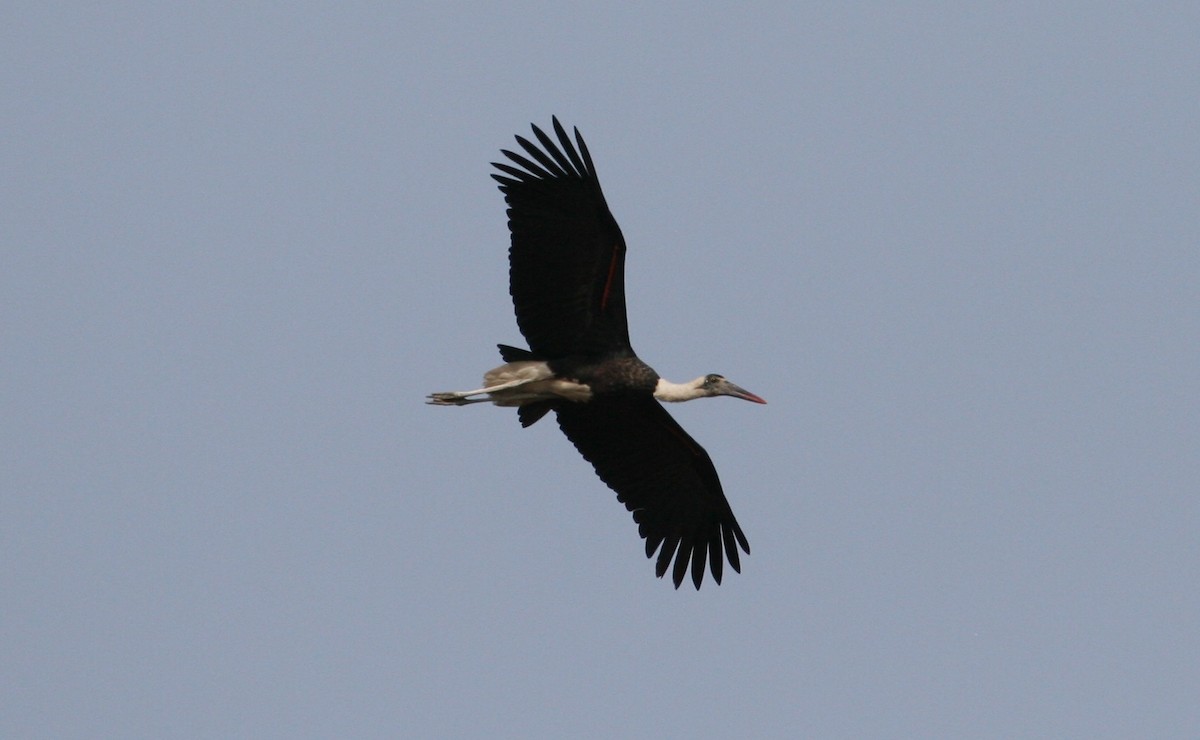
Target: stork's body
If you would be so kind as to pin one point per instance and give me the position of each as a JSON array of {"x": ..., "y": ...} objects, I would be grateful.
[{"x": 567, "y": 283}]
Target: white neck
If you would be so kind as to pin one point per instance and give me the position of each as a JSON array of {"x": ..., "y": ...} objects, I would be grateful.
[{"x": 668, "y": 391}]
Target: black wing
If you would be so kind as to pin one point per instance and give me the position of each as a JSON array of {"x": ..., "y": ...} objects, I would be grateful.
[
  {"x": 664, "y": 477},
  {"x": 567, "y": 260}
]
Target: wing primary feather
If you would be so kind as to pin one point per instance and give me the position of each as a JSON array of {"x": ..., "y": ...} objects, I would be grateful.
[
  {"x": 716, "y": 561},
  {"x": 665, "y": 554},
  {"x": 681, "y": 562},
  {"x": 549, "y": 164},
  {"x": 731, "y": 550},
  {"x": 570, "y": 150},
  {"x": 583, "y": 152},
  {"x": 652, "y": 540},
  {"x": 535, "y": 170},
  {"x": 518, "y": 176},
  {"x": 740, "y": 537},
  {"x": 552, "y": 149},
  {"x": 699, "y": 555}
]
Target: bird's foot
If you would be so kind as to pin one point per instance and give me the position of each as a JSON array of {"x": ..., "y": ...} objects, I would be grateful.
[{"x": 452, "y": 398}]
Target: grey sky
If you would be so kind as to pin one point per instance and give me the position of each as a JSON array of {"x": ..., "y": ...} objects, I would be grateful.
[{"x": 956, "y": 248}]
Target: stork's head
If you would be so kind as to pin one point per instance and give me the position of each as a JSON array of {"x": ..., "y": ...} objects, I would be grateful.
[
  {"x": 716, "y": 385},
  {"x": 705, "y": 387}
]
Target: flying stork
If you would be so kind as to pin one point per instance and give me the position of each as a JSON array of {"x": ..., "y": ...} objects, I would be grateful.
[{"x": 566, "y": 277}]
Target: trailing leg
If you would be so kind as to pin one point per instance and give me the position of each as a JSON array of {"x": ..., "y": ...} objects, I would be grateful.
[{"x": 462, "y": 398}]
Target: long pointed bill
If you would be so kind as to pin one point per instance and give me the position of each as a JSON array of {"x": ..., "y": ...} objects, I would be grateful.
[{"x": 738, "y": 392}]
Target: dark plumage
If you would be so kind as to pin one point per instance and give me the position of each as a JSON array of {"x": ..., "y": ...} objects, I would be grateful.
[{"x": 566, "y": 278}]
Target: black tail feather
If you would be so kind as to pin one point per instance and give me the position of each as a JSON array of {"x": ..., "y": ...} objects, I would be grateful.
[
  {"x": 531, "y": 412},
  {"x": 515, "y": 354}
]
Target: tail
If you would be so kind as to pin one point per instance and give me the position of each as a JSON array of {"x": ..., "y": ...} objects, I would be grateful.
[
  {"x": 515, "y": 354},
  {"x": 530, "y": 412}
]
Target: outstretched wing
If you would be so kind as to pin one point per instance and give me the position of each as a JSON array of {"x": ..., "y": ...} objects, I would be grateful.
[
  {"x": 567, "y": 259},
  {"x": 664, "y": 477}
]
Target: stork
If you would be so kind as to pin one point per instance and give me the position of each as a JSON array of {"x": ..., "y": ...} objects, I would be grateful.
[{"x": 566, "y": 278}]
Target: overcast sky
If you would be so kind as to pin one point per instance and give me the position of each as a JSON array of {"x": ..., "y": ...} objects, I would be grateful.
[{"x": 956, "y": 246}]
